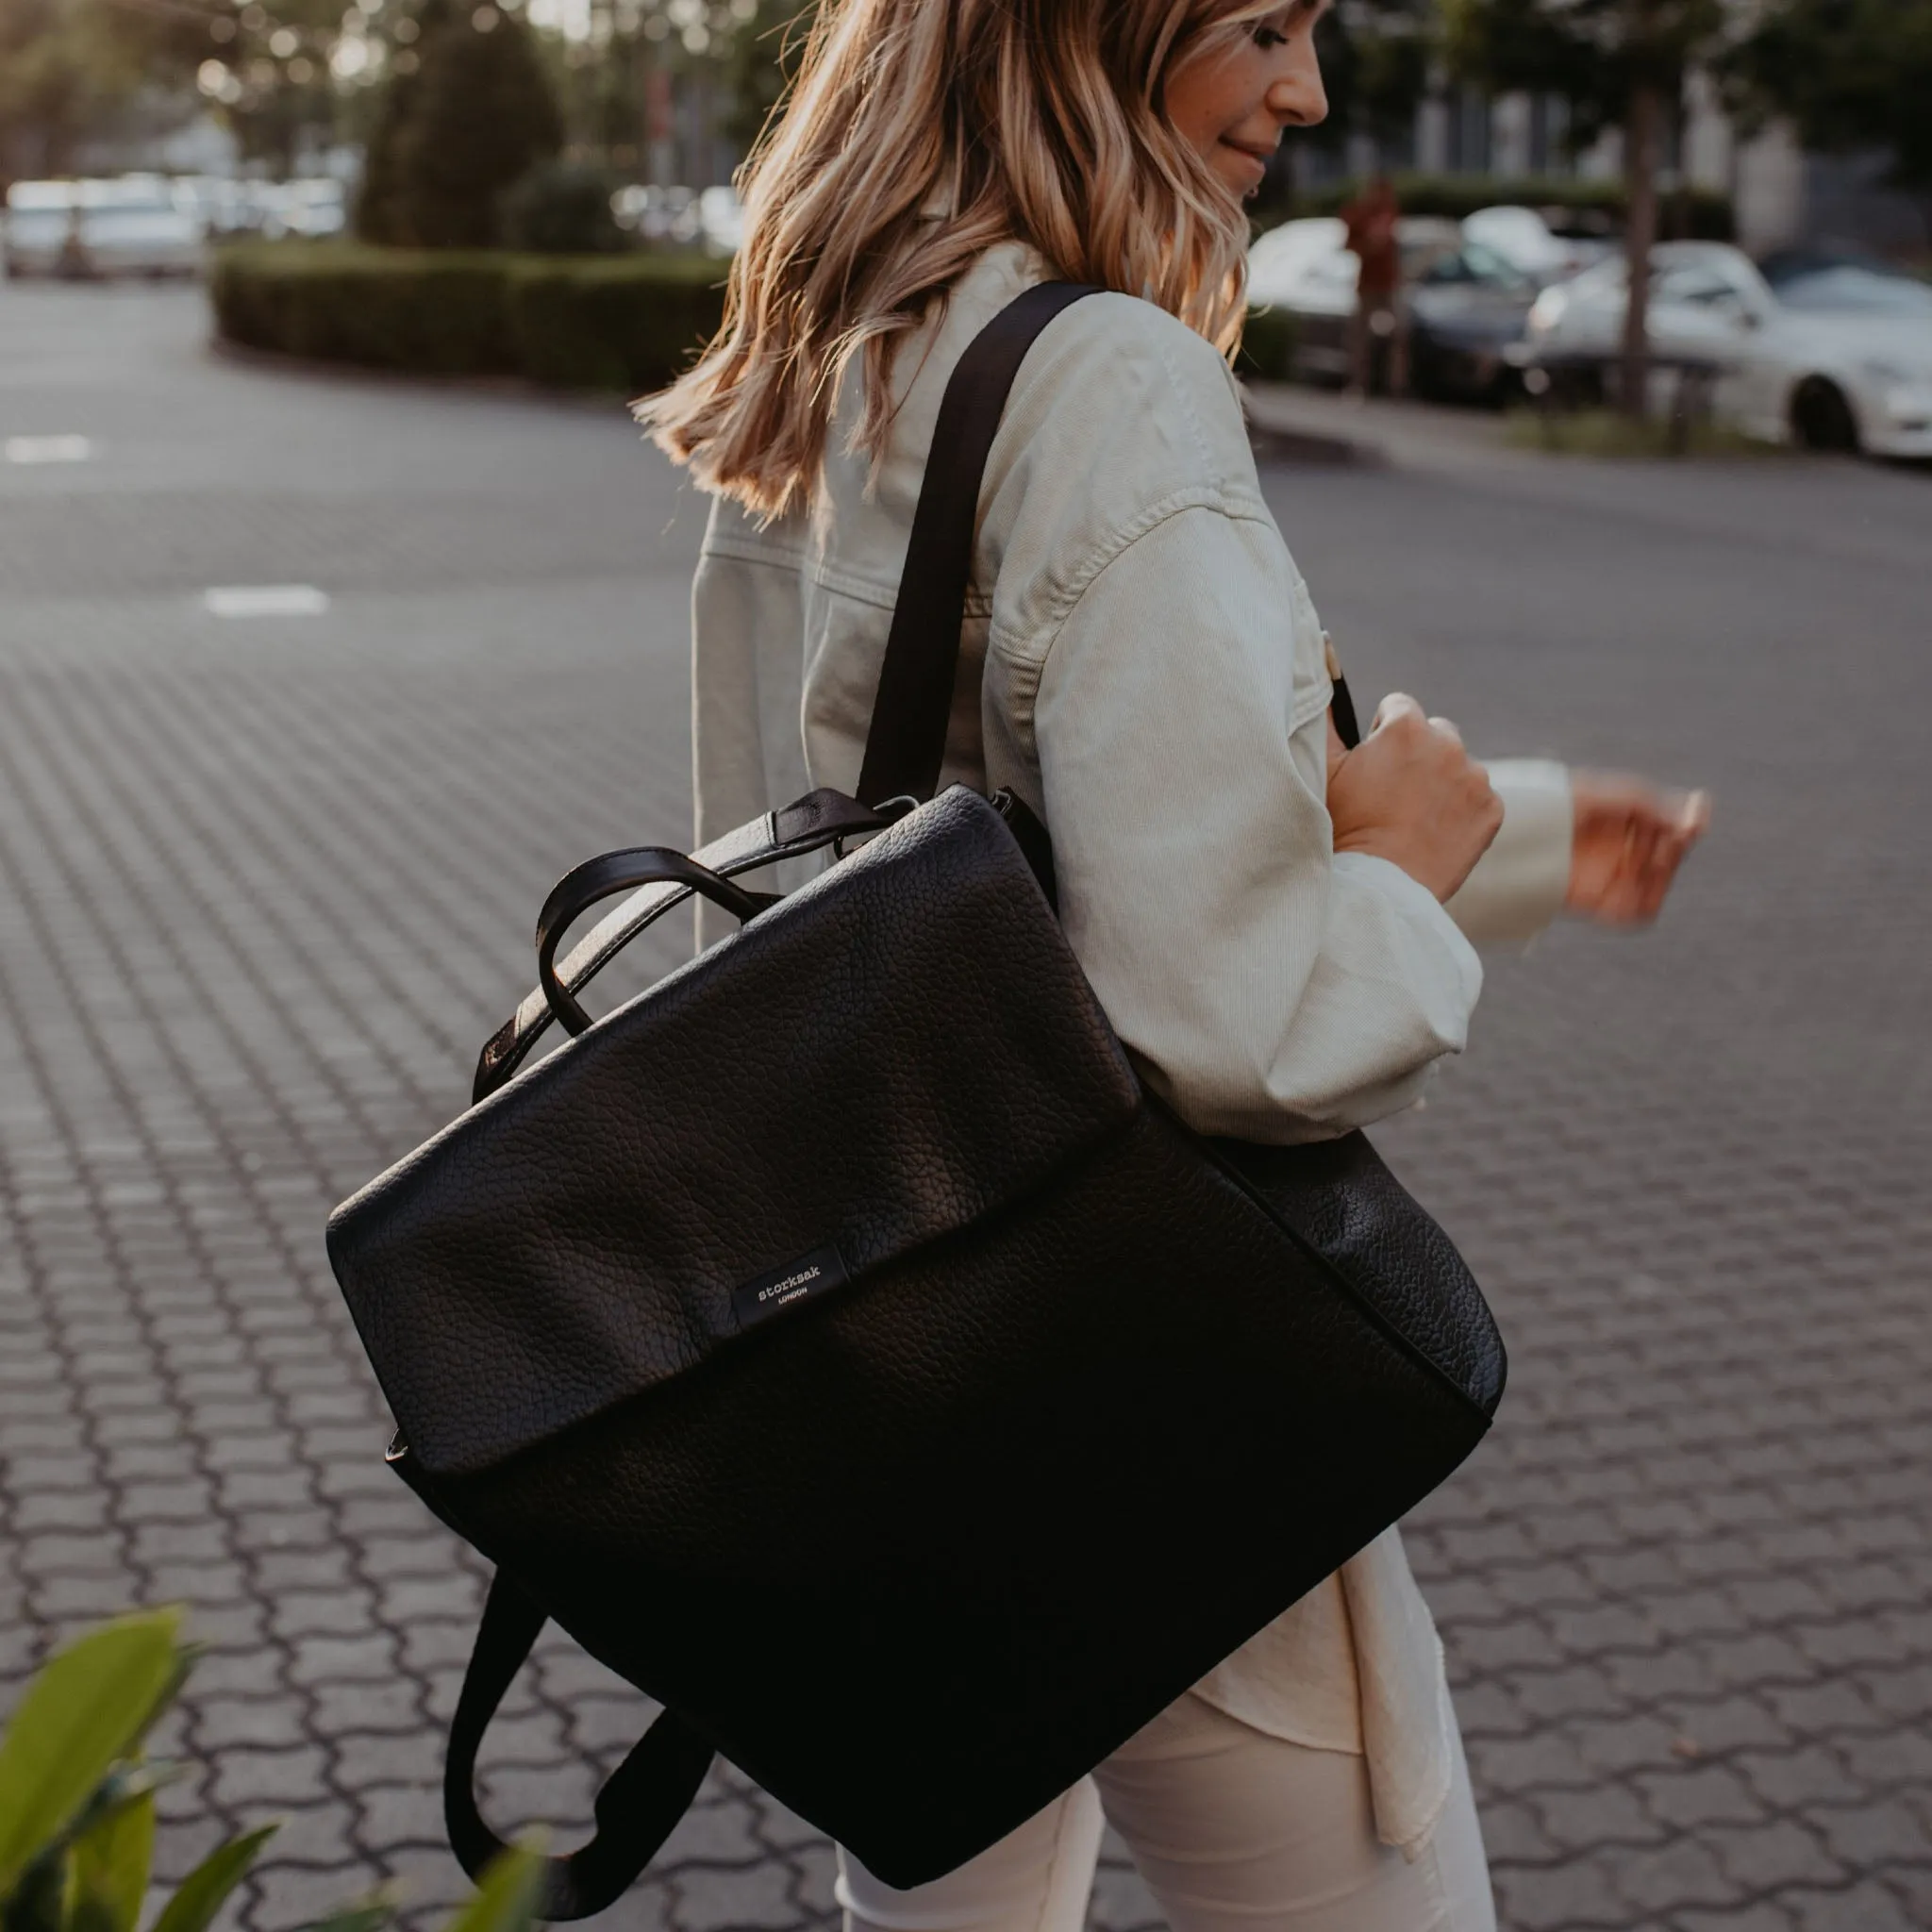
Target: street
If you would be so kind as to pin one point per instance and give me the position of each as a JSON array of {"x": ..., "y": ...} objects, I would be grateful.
[{"x": 269, "y": 880}]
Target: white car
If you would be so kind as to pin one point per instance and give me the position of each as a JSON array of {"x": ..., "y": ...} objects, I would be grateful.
[
  {"x": 1280, "y": 260},
  {"x": 1838, "y": 360},
  {"x": 134, "y": 225},
  {"x": 312, "y": 206},
  {"x": 1528, "y": 242},
  {"x": 43, "y": 226}
]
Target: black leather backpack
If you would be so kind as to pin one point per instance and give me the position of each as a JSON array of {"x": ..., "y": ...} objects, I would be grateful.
[{"x": 840, "y": 1343}]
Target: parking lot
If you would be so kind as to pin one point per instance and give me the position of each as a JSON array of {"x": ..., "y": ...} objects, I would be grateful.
[{"x": 269, "y": 867}]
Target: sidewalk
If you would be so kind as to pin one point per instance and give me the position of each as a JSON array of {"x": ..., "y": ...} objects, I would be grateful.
[{"x": 1328, "y": 425}]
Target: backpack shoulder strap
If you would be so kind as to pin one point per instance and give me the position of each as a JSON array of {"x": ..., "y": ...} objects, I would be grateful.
[{"x": 906, "y": 745}]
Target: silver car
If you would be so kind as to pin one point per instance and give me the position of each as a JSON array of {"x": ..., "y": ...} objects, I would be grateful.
[{"x": 1839, "y": 356}]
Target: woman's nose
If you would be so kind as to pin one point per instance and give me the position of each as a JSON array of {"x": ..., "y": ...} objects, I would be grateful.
[{"x": 1299, "y": 99}]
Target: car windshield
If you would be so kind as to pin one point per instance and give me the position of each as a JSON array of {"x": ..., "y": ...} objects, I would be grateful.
[
  {"x": 1848, "y": 291},
  {"x": 1474, "y": 262}
]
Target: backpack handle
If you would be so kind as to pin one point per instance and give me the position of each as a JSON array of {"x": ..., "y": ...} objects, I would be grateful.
[{"x": 603, "y": 877}]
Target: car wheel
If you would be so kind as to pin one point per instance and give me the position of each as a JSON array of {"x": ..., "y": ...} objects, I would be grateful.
[{"x": 1822, "y": 418}]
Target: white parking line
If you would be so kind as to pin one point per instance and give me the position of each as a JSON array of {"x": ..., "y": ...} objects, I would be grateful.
[
  {"x": 47, "y": 449},
  {"x": 265, "y": 600}
]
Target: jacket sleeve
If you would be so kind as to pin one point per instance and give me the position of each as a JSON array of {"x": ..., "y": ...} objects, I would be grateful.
[
  {"x": 1520, "y": 883},
  {"x": 1266, "y": 988}
]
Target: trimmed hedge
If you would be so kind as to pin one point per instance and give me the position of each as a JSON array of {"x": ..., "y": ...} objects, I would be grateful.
[
  {"x": 1698, "y": 214},
  {"x": 626, "y": 322}
]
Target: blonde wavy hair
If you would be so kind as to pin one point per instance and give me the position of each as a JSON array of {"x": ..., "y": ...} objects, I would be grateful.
[{"x": 917, "y": 135}]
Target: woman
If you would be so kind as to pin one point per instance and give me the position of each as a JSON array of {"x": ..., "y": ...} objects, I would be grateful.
[{"x": 1280, "y": 931}]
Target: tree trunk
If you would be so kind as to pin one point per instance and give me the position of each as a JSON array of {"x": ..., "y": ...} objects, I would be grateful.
[{"x": 1640, "y": 231}]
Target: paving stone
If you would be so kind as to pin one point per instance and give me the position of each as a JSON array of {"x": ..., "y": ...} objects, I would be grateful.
[
  {"x": 1684, "y": 1872},
  {"x": 1682, "y": 1587},
  {"x": 1546, "y": 1898},
  {"x": 1874, "y": 1834},
  {"x": 1780, "y": 1853},
  {"x": 1761, "y": 1917},
  {"x": 1602, "y": 1815},
  {"x": 748, "y": 1895},
  {"x": 1805, "y": 1777},
  {"x": 1868, "y": 1906}
]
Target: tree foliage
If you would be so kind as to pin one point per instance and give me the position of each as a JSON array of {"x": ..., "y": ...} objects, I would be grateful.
[
  {"x": 68, "y": 66},
  {"x": 1594, "y": 54},
  {"x": 1618, "y": 63},
  {"x": 1375, "y": 60},
  {"x": 379, "y": 209},
  {"x": 1852, "y": 74},
  {"x": 464, "y": 120},
  {"x": 760, "y": 59}
]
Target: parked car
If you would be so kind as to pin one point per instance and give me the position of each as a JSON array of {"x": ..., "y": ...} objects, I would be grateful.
[
  {"x": 219, "y": 205},
  {"x": 134, "y": 225},
  {"x": 41, "y": 228},
  {"x": 1279, "y": 258},
  {"x": 1528, "y": 242},
  {"x": 312, "y": 207},
  {"x": 1467, "y": 304},
  {"x": 1838, "y": 355}
]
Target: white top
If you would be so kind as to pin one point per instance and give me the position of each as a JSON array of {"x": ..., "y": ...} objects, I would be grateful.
[{"x": 1141, "y": 663}]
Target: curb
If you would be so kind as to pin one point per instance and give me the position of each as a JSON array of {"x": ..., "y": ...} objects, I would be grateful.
[{"x": 1278, "y": 444}]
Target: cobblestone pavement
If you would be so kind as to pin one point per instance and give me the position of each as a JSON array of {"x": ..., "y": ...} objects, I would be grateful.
[{"x": 265, "y": 887}]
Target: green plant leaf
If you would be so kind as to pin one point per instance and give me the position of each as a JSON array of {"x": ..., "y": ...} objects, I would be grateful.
[
  {"x": 37, "y": 1902},
  {"x": 370, "y": 1916},
  {"x": 109, "y": 1866},
  {"x": 86, "y": 1709},
  {"x": 508, "y": 1892},
  {"x": 126, "y": 1785},
  {"x": 205, "y": 1889}
]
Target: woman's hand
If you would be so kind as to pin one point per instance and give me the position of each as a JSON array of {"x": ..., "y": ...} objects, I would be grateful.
[
  {"x": 1409, "y": 794},
  {"x": 1630, "y": 838}
]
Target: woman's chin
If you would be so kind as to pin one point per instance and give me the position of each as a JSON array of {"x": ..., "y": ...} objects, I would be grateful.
[{"x": 1241, "y": 174}]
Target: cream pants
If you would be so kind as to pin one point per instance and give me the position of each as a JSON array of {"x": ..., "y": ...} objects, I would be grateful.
[{"x": 1233, "y": 1830}]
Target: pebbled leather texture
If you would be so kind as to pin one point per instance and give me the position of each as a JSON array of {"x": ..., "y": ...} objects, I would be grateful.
[
  {"x": 580, "y": 1235},
  {"x": 873, "y": 1553},
  {"x": 1340, "y": 1198}
]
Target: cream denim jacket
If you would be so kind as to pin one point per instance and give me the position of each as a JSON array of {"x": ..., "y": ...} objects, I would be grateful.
[{"x": 1141, "y": 663}]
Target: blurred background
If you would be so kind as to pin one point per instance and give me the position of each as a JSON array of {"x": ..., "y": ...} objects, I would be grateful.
[
  {"x": 342, "y": 610},
  {"x": 1767, "y": 160}
]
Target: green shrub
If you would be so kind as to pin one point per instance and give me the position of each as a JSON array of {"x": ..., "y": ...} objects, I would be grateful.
[
  {"x": 628, "y": 321},
  {"x": 623, "y": 321},
  {"x": 1700, "y": 214},
  {"x": 78, "y": 1803},
  {"x": 1268, "y": 345},
  {"x": 432, "y": 312},
  {"x": 562, "y": 208}
]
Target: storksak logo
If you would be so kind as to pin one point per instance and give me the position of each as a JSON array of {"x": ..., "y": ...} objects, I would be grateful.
[
  {"x": 797, "y": 1281},
  {"x": 792, "y": 1285}
]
